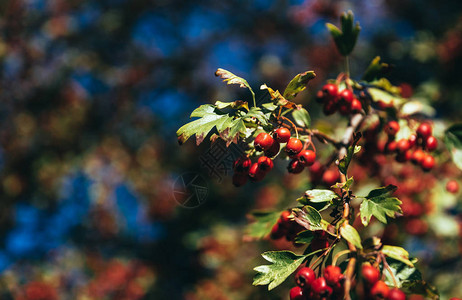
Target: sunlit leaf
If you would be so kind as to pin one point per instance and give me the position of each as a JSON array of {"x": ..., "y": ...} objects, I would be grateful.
[
  {"x": 235, "y": 104},
  {"x": 380, "y": 204},
  {"x": 397, "y": 253},
  {"x": 308, "y": 217},
  {"x": 278, "y": 99},
  {"x": 230, "y": 78},
  {"x": 302, "y": 117},
  {"x": 350, "y": 234},
  {"x": 201, "y": 127},
  {"x": 376, "y": 69},
  {"x": 298, "y": 84}
]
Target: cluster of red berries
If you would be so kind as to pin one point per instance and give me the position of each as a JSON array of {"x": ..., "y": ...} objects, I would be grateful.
[
  {"x": 374, "y": 288},
  {"x": 270, "y": 145},
  {"x": 416, "y": 148},
  {"x": 285, "y": 227},
  {"x": 332, "y": 99},
  {"x": 329, "y": 286}
]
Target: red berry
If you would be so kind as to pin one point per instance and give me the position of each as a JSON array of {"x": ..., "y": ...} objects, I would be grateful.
[
  {"x": 273, "y": 150},
  {"x": 344, "y": 108},
  {"x": 356, "y": 106},
  {"x": 346, "y": 96},
  {"x": 428, "y": 162},
  {"x": 307, "y": 157},
  {"x": 396, "y": 294},
  {"x": 412, "y": 140},
  {"x": 330, "y": 177},
  {"x": 263, "y": 141},
  {"x": 380, "y": 290},
  {"x": 332, "y": 274},
  {"x": 424, "y": 130},
  {"x": 330, "y": 90},
  {"x": 282, "y": 135},
  {"x": 404, "y": 157},
  {"x": 316, "y": 169},
  {"x": 403, "y": 145},
  {"x": 277, "y": 231},
  {"x": 318, "y": 244},
  {"x": 391, "y": 146},
  {"x": 452, "y": 186},
  {"x": 296, "y": 293},
  {"x": 285, "y": 217},
  {"x": 265, "y": 163},
  {"x": 255, "y": 173},
  {"x": 370, "y": 274},
  {"x": 431, "y": 143},
  {"x": 242, "y": 165},
  {"x": 295, "y": 166},
  {"x": 305, "y": 277},
  {"x": 391, "y": 128},
  {"x": 329, "y": 108},
  {"x": 417, "y": 156},
  {"x": 320, "y": 287},
  {"x": 239, "y": 179},
  {"x": 293, "y": 147}
]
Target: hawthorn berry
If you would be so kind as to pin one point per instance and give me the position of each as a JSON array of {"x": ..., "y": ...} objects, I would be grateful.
[
  {"x": 417, "y": 156},
  {"x": 428, "y": 162},
  {"x": 263, "y": 141},
  {"x": 396, "y": 294},
  {"x": 285, "y": 217},
  {"x": 412, "y": 140},
  {"x": 273, "y": 150},
  {"x": 403, "y": 145},
  {"x": 380, "y": 290},
  {"x": 307, "y": 157},
  {"x": 330, "y": 90},
  {"x": 305, "y": 277},
  {"x": 282, "y": 135},
  {"x": 332, "y": 274},
  {"x": 391, "y": 146},
  {"x": 424, "y": 130},
  {"x": 293, "y": 147},
  {"x": 256, "y": 173},
  {"x": 330, "y": 177},
  {"x": 265, "y": 163},
  {"x": 452, "y": 186},
  {"x": 431, "y": 143},
  {"x": 344, "y": 108},
  {"x": 319, "y": 243},
  {"x": 391, "y": 128},
  {"x": 277, "y": 231},
  {"x": 370, "y": 274},
  {"x": 320, "y": 288},
  {"x": 346, "y": 96},
  {"x": 239, "y": 179},
  {"x": 404, "y": 157},
  {"x": 356, "y": 106},
  {"x": 242, "y": 165},
  {"x": 296, "y": 293},
  {"x": 295, "y": 166},
  {"x": 329, "y": 108}
]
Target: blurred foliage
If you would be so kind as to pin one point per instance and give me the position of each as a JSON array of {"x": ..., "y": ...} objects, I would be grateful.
[{"x": 92, "y": 92}]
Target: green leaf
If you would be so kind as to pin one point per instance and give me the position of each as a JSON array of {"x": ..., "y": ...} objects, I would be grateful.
[
  {"x": 235, "y": 105},
  {"x": 284, "y": 264},
  {"x": 203, "y": 110},
  {"x": 301, "y": 117},
  {"x": 270, "y": 106},
  {"x": 308, "y": 217},
  {"x": 379, "y": 203},
  {"x": 397, "y": 253},
  {"x": 375, "y": 70},
  {"x": 417, "y": 107},
  {"x": 201, "y": 127},
  {"x": 345, "y": 39},
  {"x": 255, "y": 112},
  {"x": 264, "y": 222},
  {"x": 345, "y": 162},
  {"x": 346, "y": 185},
  {"x": 298, "y": 84},
  {"x": 278, "y": 99},
  {"x": 230, "y": 78},
  {"x": 453, "y": 141},
  {"x": 379, "y": 95},
  {"x": 304, "y": 237},
  {"x": 350, "y": 234},
  {"x": 232, "y": 131},
  {"x": 319, "y": 195}
]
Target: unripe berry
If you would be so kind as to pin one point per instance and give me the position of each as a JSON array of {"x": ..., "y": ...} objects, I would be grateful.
[
  {"x": 265, "y": 163},
  {"x": 332, "y": 274},
  {"x": 239, "y": 179},
  {"x": 330, "y": 177},
  {"x": 452, "y": 186},
  {"x": 396, "y": 294},
  {"x": 417, "y": 156},
  {"x": 293, "y": 147},
  {"x": 305, "y": 277},
  {"x": 282, "y": 135},
  {"x": 296, "y": 293},
  {"x": 370, "y": 274},
  {"x": 242, "y": 165},
  {"x": 424, "y": 130},
  {"x": 295, "y": 166},
  {"x": 431, "y": 143},
  {"x": 320, "y": 287},
  {"x": 428, "y": 162},
  {"x": 380, "y": 290},
  {"x": 263, "y": 141},
  {"x": 307, "y": 157},
  {"x": 391, "y": 128},
  {"x": 356, "y": 106},
  {"x": 255, "y": 173},
  {"x": 273, "y": 150},
  {"x": 346, "y": 96}
]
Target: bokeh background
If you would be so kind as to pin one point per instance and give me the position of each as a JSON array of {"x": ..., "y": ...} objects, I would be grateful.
[{"x": 92, "y": 93}]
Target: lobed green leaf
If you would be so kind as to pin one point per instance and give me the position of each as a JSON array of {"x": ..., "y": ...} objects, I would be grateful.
[{"x": 380, "y": 204}]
